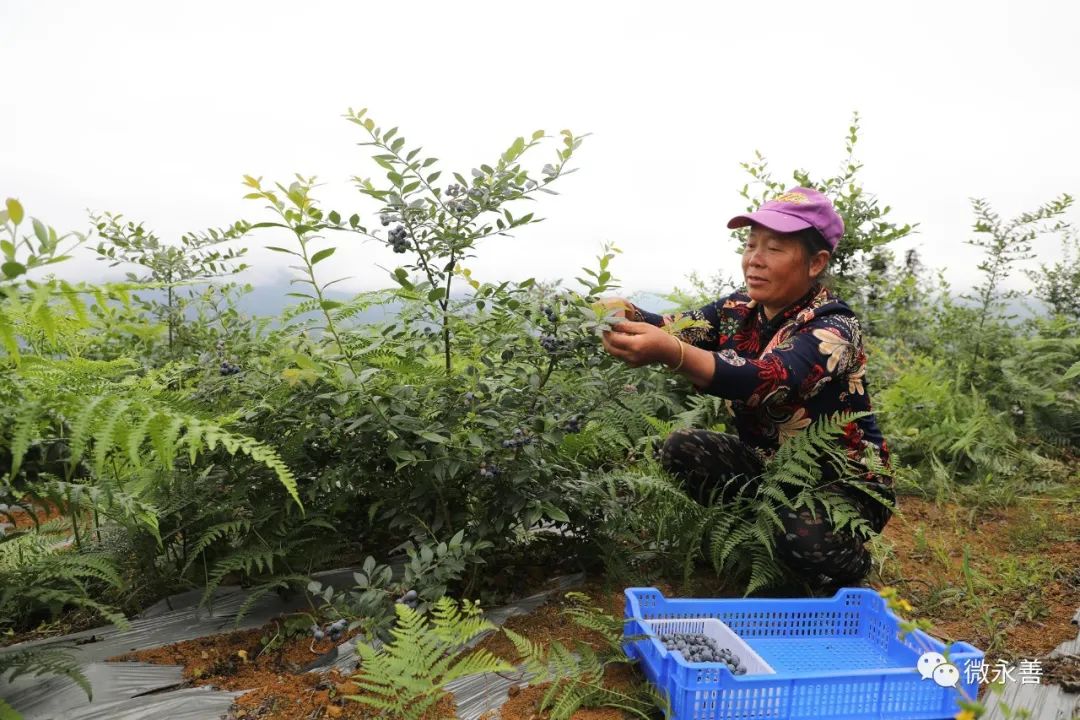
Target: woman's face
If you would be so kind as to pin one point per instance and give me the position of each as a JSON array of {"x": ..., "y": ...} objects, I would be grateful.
[{"x": 775, "y": 268}]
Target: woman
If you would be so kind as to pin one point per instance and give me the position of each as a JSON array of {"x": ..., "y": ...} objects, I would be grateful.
[{"x": 783, "y": 353}]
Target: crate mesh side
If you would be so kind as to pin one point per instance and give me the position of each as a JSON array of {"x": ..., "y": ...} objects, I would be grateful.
[{"x": 760, "y": 703}]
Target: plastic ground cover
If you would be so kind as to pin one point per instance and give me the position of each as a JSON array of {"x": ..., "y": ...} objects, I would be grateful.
[{"x": 120, "y": 688}]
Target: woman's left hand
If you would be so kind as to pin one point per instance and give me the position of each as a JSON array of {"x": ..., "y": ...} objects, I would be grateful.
[{"x": 639, "y": 343}]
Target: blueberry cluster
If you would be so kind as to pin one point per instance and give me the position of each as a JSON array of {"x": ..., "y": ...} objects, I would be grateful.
[
  {"x": 398, "y": 239},
  {"x": 573, "y": 423},
  {"x": 519, "y": 439},
  {"x": 549, "y": 313},
  {"x": 489, "y": 470},
  {"x": 699, "y": 648},
  {"x": 461, "y": 206},
  {"x": 335, "y": 630},
  {"x": 468, "y": 397},
  {"x": 228, "y": 368},
  {"x": 387, "y": 218},
  {"x": 455, "y": 190},
  {"x": 552, "y": 344},
  {"x": 409, "y": 600}
]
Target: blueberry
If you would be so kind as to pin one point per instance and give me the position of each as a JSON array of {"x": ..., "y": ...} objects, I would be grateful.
[
  {"x": 411, "y": 595},
  {"x": 319, "y": 635}
]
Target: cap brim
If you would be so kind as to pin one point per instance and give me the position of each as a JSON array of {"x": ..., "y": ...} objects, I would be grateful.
[{"x": 775, "y": 221}]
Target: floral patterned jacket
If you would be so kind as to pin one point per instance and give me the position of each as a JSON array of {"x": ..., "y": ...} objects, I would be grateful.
[{"x": 780, "y": 376}]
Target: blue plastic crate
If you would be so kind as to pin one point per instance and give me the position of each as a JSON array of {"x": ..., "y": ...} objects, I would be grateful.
[{"x": 838, "y": 658}]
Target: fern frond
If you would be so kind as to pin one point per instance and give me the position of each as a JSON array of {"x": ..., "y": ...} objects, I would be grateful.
[
  {"x": 213, "y": 534},
  {"x": 43, "y": 661},
  {"x": 406, "y": 676}
]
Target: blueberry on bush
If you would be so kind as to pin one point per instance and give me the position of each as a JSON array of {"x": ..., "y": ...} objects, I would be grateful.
[
  {"x": 461, "y": 206},
  {"x": 399, "y": 239},
  {"x": 550, "y": 343},
  {"x": 519, "y": 439},
  {"x": 228, "y": 368},
  {"x": 573, "y": 424},
  {"x": 409, "y": 599}
]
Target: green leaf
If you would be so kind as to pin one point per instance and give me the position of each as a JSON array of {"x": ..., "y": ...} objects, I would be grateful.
[
  {"x": 15, "y": 210},
  {"x": 436, "y": 294},
  {"x": 287, "y": 251},
  {"x": 334, "y": 217},
  {"x": 13, "y": 269},
  {"x": 555, "y": 513},
  {"x": 330, "y": 304},
  {"x": 322, "y": 255},
  {"x": 434, "y": 437},
  {"x": 402, "y": 278},
  {"x": 41, "y": 232}
]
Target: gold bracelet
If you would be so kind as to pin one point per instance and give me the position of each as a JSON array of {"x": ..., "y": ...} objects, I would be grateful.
[{"x": 682, "y": 354}]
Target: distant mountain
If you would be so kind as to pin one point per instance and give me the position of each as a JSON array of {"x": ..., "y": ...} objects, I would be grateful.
[{"x": 270, "y": 300}]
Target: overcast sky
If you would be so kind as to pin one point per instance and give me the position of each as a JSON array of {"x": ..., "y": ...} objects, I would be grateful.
[{"x": 157, "y": 109}]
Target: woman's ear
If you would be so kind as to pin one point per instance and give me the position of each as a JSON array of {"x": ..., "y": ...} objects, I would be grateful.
[{"x": 819, "y": 262}]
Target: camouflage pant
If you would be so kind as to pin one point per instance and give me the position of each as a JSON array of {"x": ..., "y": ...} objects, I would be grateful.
[{"x": 715, "y": 467}]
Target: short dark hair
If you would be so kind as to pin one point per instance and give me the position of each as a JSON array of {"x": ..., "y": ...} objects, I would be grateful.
[{"x": 813, "y": 242}]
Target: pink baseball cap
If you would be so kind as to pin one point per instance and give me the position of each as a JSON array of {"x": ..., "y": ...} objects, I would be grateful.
[{"x": 797, "y": 209}]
